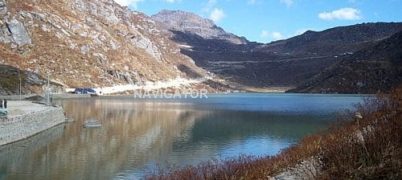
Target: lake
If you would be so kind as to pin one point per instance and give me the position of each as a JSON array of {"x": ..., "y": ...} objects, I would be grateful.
[{"x": 140, "y": 135}]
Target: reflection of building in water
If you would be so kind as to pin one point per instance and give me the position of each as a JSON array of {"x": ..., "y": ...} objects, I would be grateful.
[{"x": 132, "y": 135}]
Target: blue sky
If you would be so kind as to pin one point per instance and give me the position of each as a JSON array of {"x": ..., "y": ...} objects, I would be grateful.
[{"x": 268, "y": 20}]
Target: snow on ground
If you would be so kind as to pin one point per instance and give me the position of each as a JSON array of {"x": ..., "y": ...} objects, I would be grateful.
[{"x": 148, "y": 86}]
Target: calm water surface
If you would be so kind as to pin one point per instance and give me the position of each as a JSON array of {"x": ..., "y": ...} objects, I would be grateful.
[{"x": 138, "y": 136}]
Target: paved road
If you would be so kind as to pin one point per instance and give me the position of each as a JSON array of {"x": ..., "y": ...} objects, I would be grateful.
[{"x": 16, "y": 108}]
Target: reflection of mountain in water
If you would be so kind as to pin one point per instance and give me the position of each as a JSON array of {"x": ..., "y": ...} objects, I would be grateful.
[
  {"x": 242, "y": 132},
  {"x": 288, "y": 126},
  {"x": 136, "y": 135},
  {"x": 131, "y": 136}
]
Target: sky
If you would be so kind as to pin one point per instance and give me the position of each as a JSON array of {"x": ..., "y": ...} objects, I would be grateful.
[{"x": 270, "y": 20}]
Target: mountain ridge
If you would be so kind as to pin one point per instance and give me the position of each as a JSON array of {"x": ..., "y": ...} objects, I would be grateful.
[
  {"x": 98, "y": 43},
  {"x": 370, "y": 70},
  {"x": 288, "y": 62},
  {"x": 352, "y": 37}
]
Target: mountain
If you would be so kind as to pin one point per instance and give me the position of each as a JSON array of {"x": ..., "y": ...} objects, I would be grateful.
[
  {"x": 192, "y": 23},
  {"x": 88, "y": 43},
  {"x": 334, "y": 41},
  {"x": 98, "y": 43},
  {"x": 286, "y": 63},
  {"x": 373, "y": 69}
]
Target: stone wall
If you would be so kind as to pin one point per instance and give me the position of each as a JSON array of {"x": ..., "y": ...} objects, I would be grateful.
[{"x": 20, "y": 127}]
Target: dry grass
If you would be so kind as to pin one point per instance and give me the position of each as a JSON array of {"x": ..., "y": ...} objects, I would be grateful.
[{"x": 366, "y": 148}]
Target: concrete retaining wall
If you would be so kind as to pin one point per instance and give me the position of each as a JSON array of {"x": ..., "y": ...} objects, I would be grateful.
[
  {"x": 16, "y": 97},
  {"x": 54, "y": 96},
  {"x": 19, "y": 127}
]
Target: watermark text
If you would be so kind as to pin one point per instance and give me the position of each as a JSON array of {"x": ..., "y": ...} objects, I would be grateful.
[{"x": 169, "y": 94}]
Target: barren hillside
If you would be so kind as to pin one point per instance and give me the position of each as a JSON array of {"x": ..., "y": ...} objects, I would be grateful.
[{"x": 88, "y": 43}]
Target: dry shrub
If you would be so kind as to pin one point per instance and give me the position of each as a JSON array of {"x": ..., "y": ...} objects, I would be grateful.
[{"x": 367, "y": 148}]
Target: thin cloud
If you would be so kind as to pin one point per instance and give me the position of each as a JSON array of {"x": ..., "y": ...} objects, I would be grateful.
[
  {"x": 172, "y": 1},
  {"x": 271, "y": 35},
  {"x": 288, "y": 3},
  {"x": 264, "y": 34},
  {"x": 209, "y": 5},
  {"x": 341, "y": 14},
  {"x": 217, "y": 15},
  {"x": 251, "y": 2},
  {"x": 277, "y": 36}
]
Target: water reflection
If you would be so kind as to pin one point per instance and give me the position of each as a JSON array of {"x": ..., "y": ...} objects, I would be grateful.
[
  {"x": 136, "y": 136},
  {"x": 22, "y": 156}
]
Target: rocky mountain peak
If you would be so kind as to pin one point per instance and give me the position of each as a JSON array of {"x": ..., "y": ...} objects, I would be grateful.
[
  {"x": 191, "y": 23},
  {"x": 183, "y": 19}
]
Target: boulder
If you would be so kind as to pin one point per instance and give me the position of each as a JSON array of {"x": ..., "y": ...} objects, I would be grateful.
[{"x": 18, "y": 32}]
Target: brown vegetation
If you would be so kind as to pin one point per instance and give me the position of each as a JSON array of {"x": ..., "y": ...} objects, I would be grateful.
[
  {"x": 367, "y": 148},
  {"x": 360, "y": 147}
]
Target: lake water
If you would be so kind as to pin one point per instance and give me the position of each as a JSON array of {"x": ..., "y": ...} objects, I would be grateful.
[{"x": 139, "y": 135}]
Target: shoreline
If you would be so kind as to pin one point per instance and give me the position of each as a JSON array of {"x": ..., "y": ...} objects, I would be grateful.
[
  {"x": 353, "y": 148},
  {"x": 87, "y": 96}
]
